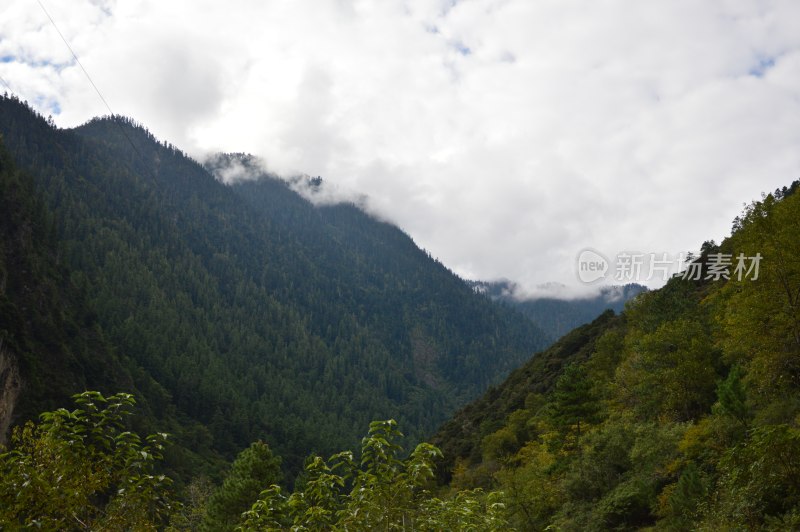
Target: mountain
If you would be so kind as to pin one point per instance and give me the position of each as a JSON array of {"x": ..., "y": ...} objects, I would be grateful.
[
  {"x": 238, "y": 313},
  {"x": 50, "y": 340},
  {"x": 558, "y": 316},
  {"x": 235, "y": 312},
  {"x": 681, "y": 413}
]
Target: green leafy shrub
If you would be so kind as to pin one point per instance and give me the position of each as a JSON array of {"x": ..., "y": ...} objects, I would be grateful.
[
  {"x": 82, "y": 469},
  {"x": 378, "y": 492}
]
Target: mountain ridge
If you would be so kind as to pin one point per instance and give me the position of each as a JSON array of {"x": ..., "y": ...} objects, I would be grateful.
[{"x": 244, "y": 311}]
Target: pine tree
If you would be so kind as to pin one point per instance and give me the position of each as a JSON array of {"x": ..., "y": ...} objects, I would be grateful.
[
  {"x": 732, "y": 399},
  {"x": 573, "y": 401},
  {"x": 254, "y": 469}
]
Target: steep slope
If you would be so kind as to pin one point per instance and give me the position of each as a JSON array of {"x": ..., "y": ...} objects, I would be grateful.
[
  {"x": 50, "y": 341},
  {"x": 461, "y": 437},
  {"x": 258, "y": 315},
  {"x": 683, "y": 413},
  {"x": 412, "y": 303}
]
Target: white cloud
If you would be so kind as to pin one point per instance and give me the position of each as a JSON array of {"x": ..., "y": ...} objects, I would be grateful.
[{"x": 503, "y": 135}]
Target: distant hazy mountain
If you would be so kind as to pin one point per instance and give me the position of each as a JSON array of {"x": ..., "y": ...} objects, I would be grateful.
[{"x": 559, "y": 316}]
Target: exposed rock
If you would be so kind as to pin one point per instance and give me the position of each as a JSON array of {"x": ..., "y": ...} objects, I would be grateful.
[{"x": 10, "y": 388}]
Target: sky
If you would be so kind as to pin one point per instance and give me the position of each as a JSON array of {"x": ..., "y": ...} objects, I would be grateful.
[{"x": 507, "y": 137}]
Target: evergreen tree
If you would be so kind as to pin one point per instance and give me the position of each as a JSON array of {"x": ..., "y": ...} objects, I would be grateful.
[
  {"x": 731, "y": 396},
  {"x": 254, "y": 469},
  {"x": 573, "y": 402}
]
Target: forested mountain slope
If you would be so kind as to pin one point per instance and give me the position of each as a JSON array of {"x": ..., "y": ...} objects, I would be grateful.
[
  {"x": 683, "y": 413},
  {"x": 50, "y": 340},
  {"x": 460, "y": 438},
  {"x": 244, "y": 312}
]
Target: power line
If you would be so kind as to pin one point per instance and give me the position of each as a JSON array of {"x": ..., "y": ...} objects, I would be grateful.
[
  {"x": 75, "y": 56},
  {"x": 6, "y": 84},
  {"x": 86, "y": 73}
]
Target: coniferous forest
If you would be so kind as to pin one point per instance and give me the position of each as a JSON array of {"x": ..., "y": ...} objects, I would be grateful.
[
  {"x": 210, "y": 356},
  {"x": 243, "y": 312}
]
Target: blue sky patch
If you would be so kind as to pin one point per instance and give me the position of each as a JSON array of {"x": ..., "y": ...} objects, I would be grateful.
[
  {"x": 462, "y": 48},
  {"x": 47, "y": 105},
  {"x": 764, "y": 64}
]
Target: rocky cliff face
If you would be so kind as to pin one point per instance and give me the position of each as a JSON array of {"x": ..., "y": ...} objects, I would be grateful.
[{"x": 10, "y": 388}]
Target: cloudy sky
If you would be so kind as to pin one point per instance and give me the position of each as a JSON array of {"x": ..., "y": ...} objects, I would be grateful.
[{"x": 505, "y": 136}]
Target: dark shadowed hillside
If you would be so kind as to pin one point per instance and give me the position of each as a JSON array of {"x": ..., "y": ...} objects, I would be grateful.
[
  {"x": 245, "y": 312},
  {"x": 50, "y": 340}
]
